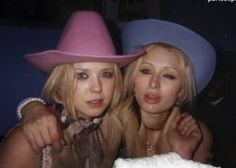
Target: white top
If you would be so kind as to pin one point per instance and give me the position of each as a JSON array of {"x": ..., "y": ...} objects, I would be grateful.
[{"x": 171, "y": 160}]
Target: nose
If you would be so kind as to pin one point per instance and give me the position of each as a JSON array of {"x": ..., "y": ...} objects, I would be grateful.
[
  {"x": 95, "y": 85},
  {"x": 154, "y": 81}
]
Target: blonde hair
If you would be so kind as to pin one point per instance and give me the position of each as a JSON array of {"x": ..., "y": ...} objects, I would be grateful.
[
  {"x": 60, "y": 88},
  {"x": 129, "y": 110},
  {"x": 61, "y": 85}
]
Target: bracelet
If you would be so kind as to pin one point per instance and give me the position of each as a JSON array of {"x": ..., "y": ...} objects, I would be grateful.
[{"x": 25, "y": 102}]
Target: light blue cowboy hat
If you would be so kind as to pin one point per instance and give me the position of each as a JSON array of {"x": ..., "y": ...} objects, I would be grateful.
[{"x": 200, "y": 52}]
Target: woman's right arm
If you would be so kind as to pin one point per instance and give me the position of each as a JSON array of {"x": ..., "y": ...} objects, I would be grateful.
[
  {"x": 17, "y": 152},
  {"x": 41, "y": 126}
]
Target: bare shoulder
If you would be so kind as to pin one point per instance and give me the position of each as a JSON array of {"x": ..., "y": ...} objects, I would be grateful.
[
  {"x": 14, "y": 139},
  {"x": 203, "y": 152},
  {"x": 17, "y": 151},
  {"x": 14, "y": 135}
]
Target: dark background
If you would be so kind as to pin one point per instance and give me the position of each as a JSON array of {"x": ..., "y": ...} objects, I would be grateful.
[{"x": 34, "y": 25}]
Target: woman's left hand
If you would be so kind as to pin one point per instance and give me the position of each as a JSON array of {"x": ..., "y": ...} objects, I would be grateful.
[{"x": 184, "y": 135}]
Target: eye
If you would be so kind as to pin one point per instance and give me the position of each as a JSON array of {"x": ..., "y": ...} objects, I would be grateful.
[
  {"x": 107, "y": 74},
  {"x": 145, "y": 71},
  {"x": 169, "y": 76},
  {"x": 81, "y": 76}
]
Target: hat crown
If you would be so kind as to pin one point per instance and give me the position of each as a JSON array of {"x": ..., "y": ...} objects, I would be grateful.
[{"x": 86, "y": 33}]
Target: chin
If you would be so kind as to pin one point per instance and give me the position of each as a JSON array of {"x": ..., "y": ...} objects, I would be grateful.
[
  {"x": 95, "y": 115},
  {"x": 151, "y": 109}
]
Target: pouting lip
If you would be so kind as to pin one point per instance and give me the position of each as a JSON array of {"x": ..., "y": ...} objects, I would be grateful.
[
  {"x": 95, "y": 102},
  {"x": 151, "y": 98}
]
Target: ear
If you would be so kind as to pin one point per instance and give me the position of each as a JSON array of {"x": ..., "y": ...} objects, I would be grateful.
[
  {"x": 181, "y": 93},
  {"x": 179, "y": 98},
  {"x": 133, "y": 90}
]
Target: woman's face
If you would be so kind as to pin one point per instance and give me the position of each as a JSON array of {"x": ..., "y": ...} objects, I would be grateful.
[
  {"x": 95, "y": 87},
  {"x": 157, "y": 84}
]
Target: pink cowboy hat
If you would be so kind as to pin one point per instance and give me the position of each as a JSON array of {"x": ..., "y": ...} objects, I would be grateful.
[{"x": 85, "y": 39}]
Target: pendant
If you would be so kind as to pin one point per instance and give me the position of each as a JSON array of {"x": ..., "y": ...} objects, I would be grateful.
[{"x": 149, "y": 146}]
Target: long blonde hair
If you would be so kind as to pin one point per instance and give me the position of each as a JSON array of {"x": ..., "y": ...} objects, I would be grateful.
[
  {"x": 129, "y": 110},
  {"x": 60, "y": 87}
]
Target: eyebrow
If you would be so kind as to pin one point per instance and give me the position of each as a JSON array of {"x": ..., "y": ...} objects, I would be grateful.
[
  {"x": 87, "y": 69},
  {"x": 165, "y": 67}
]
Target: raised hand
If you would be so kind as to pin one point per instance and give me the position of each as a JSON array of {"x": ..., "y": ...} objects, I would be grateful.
[{"x": 184, "y": 135}]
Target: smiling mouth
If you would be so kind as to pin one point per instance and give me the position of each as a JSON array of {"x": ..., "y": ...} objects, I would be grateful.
[
  {"x": 152, "y": 99},
  {"x": 95, "y": 103}
]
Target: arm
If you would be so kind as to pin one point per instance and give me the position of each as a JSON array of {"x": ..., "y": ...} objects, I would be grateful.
[
  {"x": 203, "y": 151},
  {"x": 185, "y": 135},
  {"x": 40, "y": 126},
  {"x": 17, "y": 152}
]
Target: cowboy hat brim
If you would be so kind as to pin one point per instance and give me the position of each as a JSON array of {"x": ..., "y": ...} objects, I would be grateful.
[{"x": 47, "y": 60}]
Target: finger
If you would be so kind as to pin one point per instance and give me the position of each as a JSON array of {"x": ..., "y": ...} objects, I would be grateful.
[
  {"x": 185, "y": 123},
  {"x": 173, "y": 119},
  {"x": 56, "y": 133},
  {"x": 28, "y": 133},
  {"x": 185, "y": 119},
  {"x": 31, "y": 141},
  {"x": 39, "y": 132},
  {"x": 40, "y": 141},
  {"x": 37, "y": 142},
  {"x": 56, "y": 137},
  {"x": 190, "y": 127},
  {"x": 45, "y": 134},
  {"x": 194, "y": 130},
  {"x": 62, "y": 140}
]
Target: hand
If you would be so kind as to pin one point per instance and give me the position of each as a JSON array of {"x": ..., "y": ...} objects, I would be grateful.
[
  {"x": 184, "y": 135},
  {"x": 41, "y": 127}
]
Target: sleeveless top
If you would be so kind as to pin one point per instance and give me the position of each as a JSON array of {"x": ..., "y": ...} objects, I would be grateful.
[{"x": 83, "y": 147}]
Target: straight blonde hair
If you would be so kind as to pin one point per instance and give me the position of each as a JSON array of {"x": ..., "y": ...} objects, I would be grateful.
[
  {"x": 60, "y": 88},
  {"x": 135, "y": 140}
]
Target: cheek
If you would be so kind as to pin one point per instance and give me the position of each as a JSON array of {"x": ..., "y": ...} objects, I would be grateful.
[
  {"x": 172, "y": 91},
  {"x": 83, "y": 85},
  {"x": 139, "y": 90},
  {"x": 79, "y": 94},
  {"x": 109, "y": 88},
  {"x": 139, "y": 85},
  {"x": 81, "y": 91}
]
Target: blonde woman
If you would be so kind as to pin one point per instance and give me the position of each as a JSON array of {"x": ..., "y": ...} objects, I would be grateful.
[
  {"x": 84, "y": 87},
  {"x": 157, "y": 85},
  {"x": 177, "y": 66}
]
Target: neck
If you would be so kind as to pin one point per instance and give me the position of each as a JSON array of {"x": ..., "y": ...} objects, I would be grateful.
[
  {"x": 154, "y": 121},
  {"x": 151, "y": 139},
  {"x": 151, "y": 126}
]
